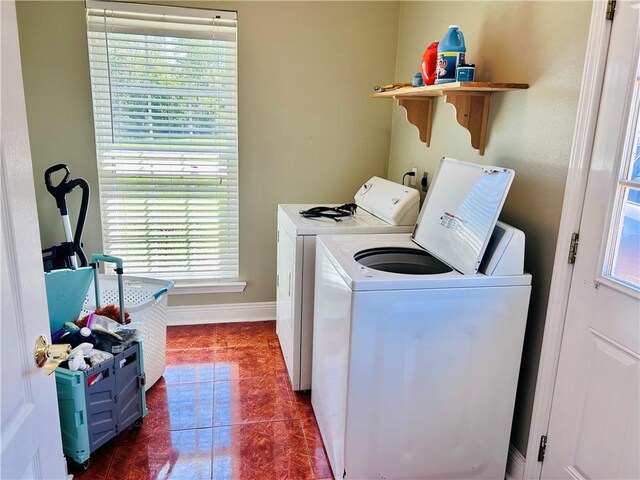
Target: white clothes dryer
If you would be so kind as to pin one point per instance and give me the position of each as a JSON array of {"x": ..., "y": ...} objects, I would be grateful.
[
  {"x": 383, "y": 207},
  {"x": 417, "y": 338}
]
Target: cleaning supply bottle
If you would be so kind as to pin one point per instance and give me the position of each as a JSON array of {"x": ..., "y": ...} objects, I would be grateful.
[
  {"x": 429, "y": 64},
  {"x": 84, "y": 335},
  {"x": 451, "y": 52}
]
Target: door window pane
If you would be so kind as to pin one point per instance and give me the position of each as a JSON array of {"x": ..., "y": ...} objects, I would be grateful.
[
  {"x": 624, "y": 240},
  {"x": 626, "y": 259}
]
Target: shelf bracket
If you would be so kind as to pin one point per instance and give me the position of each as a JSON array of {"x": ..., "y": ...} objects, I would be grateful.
[
  {"x": 419, "y": 113},
  {"x": 472, "y": 112}
]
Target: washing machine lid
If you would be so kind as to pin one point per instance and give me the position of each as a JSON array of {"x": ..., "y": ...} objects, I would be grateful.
[{"x": 461, "y": 211}]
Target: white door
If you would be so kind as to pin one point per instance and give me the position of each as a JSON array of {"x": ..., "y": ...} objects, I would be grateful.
[
  {"x": 594, "y": 430},
  {"x": 30, "y": 444}
]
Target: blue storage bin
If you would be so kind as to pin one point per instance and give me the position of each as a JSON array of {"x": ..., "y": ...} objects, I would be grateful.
[{"x": 66, "y": 292}]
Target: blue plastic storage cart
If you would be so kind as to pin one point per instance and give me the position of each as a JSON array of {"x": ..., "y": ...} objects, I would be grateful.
[{"x": 95, "y": 405}]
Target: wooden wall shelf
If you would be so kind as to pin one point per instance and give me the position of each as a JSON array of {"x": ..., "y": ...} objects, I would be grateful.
[{"x": 470, "y": 100}]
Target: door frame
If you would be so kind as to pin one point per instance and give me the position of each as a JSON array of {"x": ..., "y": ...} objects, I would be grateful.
[{"x": 575, "y": 188}]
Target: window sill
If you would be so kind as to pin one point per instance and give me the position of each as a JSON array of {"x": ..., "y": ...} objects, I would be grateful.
[{"x": 185, "y": 287}]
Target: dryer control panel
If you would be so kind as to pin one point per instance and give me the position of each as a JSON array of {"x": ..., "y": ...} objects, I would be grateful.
[{"x": 389, "y": 201}]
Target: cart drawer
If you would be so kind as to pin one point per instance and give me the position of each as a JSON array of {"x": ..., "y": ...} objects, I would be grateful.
[
  {"x": 128, "y": 384},
  {"x": 100, "y": 392}
]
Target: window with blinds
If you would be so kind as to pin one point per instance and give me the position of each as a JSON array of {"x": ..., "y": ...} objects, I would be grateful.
[{"x": 164, "y": 86}]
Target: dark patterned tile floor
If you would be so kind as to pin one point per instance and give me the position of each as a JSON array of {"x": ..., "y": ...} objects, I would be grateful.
[{"x": 224, "y": 410}]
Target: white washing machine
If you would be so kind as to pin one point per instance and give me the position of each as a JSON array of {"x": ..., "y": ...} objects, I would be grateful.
[
  {"x": 383, "y": 207},
  {"x": 417, "y": 338}
]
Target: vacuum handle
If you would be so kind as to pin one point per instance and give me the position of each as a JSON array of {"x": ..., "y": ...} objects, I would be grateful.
[
  {"x": 82, "y": 216},
  {"x": 58, "y": 191}
]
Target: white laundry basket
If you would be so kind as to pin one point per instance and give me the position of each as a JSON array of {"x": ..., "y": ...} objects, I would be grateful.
[{"x": 145, "y": 300}]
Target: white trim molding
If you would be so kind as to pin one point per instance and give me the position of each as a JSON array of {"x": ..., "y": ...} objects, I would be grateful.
[
  {"x": 588, "y": 104},
  {"x": 183, "y": 287},
  {"x": 515, "y": 464},
  {"x": 221, "y": 313}
]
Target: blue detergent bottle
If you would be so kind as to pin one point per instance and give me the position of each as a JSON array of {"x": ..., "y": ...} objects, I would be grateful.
[{"x": 451, "y": 51}]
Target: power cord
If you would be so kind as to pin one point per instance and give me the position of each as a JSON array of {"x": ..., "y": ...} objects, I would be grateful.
[
  {"x": 408, "y": 174},
  {"x": 424, "y": 182},
  {"x": 334, "y": 213}
]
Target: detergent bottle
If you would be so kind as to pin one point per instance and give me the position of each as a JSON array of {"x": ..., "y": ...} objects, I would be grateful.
[
  {"x": 451, "y": 51},
  {"x": 429, "y": 64}
]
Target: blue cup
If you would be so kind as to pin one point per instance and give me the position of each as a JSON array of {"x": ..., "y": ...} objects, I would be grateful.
[{"x": 417, "y": 80}]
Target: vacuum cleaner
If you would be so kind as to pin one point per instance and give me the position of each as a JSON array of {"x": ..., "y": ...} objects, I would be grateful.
[{"x": 64, "y": 255}]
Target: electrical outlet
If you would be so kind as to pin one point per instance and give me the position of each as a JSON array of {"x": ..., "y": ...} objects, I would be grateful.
[{"x": 412, "y": 180}]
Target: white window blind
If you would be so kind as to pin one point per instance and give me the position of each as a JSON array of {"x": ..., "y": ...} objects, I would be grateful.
[{"x": 164, "y": 86}]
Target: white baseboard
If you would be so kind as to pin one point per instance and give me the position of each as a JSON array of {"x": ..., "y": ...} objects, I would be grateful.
[
  {"x": 515, "y": 464},
  {"x": 221, "y": 313}
]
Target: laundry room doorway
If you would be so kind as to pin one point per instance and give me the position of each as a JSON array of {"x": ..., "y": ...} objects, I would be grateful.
[{"x": 594, "y": 428}]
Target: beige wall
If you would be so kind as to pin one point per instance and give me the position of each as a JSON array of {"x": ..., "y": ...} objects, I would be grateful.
[
  {"x": 307, "y": 130},
  {"x": 539, "y": 43}
]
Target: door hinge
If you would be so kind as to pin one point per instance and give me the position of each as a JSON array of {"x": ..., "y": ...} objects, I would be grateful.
[
  {"x": 278, "y": 236},
  {"x": 573, "y": 247},
  {"x": 543, "y": 448},
  {"x": 611, "y": 9},
  {"x": 277, "y": 281}
]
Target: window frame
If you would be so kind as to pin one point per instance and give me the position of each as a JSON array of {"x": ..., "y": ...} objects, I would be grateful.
[
  {"x": 199, "y": 19},
  {"x": 624, "y": 185}
]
